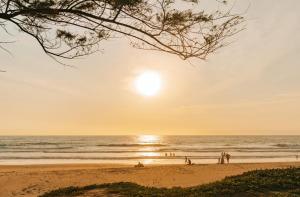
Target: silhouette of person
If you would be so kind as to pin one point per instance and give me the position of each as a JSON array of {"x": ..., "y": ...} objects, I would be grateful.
[
  {"x": 222, "y": 157},
  {"x": 227, "y": 157},
  {"x": 186, "y": 160},
  {"x": 139, "y": 165}
]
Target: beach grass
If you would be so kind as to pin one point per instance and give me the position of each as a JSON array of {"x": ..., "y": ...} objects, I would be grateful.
[{"x": 271, "y": 182}]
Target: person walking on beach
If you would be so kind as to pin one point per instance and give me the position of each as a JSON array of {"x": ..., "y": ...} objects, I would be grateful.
[
  {"x": 222, "y": 157},
  {"x": 227, "y": 157},
  {"x": 186, "y": 160}
]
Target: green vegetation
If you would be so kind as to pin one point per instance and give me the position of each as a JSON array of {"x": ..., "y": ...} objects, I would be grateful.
[{"x": 274, "y": 182}]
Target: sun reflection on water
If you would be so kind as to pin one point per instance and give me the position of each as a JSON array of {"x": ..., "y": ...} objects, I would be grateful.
[
  {"x": 148, "y": 161},
  {"x": 150, "y": 151},
  {"x": 148, "y": 139},
  {"x": 149, "y": 154}
]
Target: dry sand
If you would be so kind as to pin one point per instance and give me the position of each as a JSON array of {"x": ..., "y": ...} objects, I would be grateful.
[{"x": 32, "y": 180}]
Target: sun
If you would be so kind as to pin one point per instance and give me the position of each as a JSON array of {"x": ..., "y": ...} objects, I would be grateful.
[{"x": 148, "y": 83}]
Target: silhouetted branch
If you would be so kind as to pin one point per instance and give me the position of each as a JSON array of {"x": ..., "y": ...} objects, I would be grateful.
[{"x": 75, "y": 28}]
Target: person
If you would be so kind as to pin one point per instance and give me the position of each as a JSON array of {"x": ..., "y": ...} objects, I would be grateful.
[
  {"x": 227, "y": 157},
  {"x": 222, "y": 157},
  {"x": 139, "y": 165},
  {"x": 219, "y": 160},
  {"x": 186, "y": 160},
  {"x": 189, "y": 162}
]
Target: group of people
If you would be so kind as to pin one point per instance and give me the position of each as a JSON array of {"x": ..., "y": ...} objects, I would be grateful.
[
  {"x": 170, "y": 154},
  {"x": 224, "y": 155},
  {"x": 221, "y": 159},
  {"x": 187, "y": 161}
]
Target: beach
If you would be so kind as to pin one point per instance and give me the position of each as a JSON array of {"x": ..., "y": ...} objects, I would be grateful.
[
  {"x": 33, "y": 180},
  {"x": 33, "y": 165},
  {"x": 149, "y": 98}
]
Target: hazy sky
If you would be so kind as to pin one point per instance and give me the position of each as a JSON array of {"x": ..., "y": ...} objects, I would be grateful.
[{"x": 249, "y": 87}]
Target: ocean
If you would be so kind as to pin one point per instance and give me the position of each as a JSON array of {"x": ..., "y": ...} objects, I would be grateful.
[{"x": 148, "y": 149}]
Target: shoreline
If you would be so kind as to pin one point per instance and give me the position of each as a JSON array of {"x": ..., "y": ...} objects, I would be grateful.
[
  {"x": 33, "y": 180},
  {"x": 117, "y": 165},
  {"x": 145, "y": 160}
]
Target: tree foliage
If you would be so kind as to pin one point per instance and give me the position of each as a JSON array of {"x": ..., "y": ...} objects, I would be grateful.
[{"x": 74, "y": 28}]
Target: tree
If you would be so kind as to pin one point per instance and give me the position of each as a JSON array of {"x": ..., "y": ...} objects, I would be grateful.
[{"x": 74, "y": 28}]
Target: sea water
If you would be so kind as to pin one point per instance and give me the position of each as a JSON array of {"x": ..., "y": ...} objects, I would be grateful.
[{"x": 148, "y": 149}]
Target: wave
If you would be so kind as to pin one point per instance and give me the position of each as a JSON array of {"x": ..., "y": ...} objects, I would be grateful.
[
  {"x": 33, "y": 143},
  {"x": 138, "y": 157},
  {"x": 42, "y": 143},
  {"x": 39, "y": 149},
  {"x": 135, "y": 149},
  {"x": 131, "y": 145},
  {"x": 287, "y": 145}
]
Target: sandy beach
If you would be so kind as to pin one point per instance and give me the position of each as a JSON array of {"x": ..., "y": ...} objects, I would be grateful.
[{"x": 32, "y": 180}]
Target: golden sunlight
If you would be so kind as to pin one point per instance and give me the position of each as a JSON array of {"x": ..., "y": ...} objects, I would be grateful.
[
  {"x": 148, "y": 138},
  {"x": 148, "y": 83}
]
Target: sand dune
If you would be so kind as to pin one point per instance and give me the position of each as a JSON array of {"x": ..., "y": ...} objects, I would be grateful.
[{"x": 32, "y": 180}]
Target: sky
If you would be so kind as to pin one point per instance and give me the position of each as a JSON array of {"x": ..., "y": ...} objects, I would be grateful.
[{"x": 251, "y": 87}]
